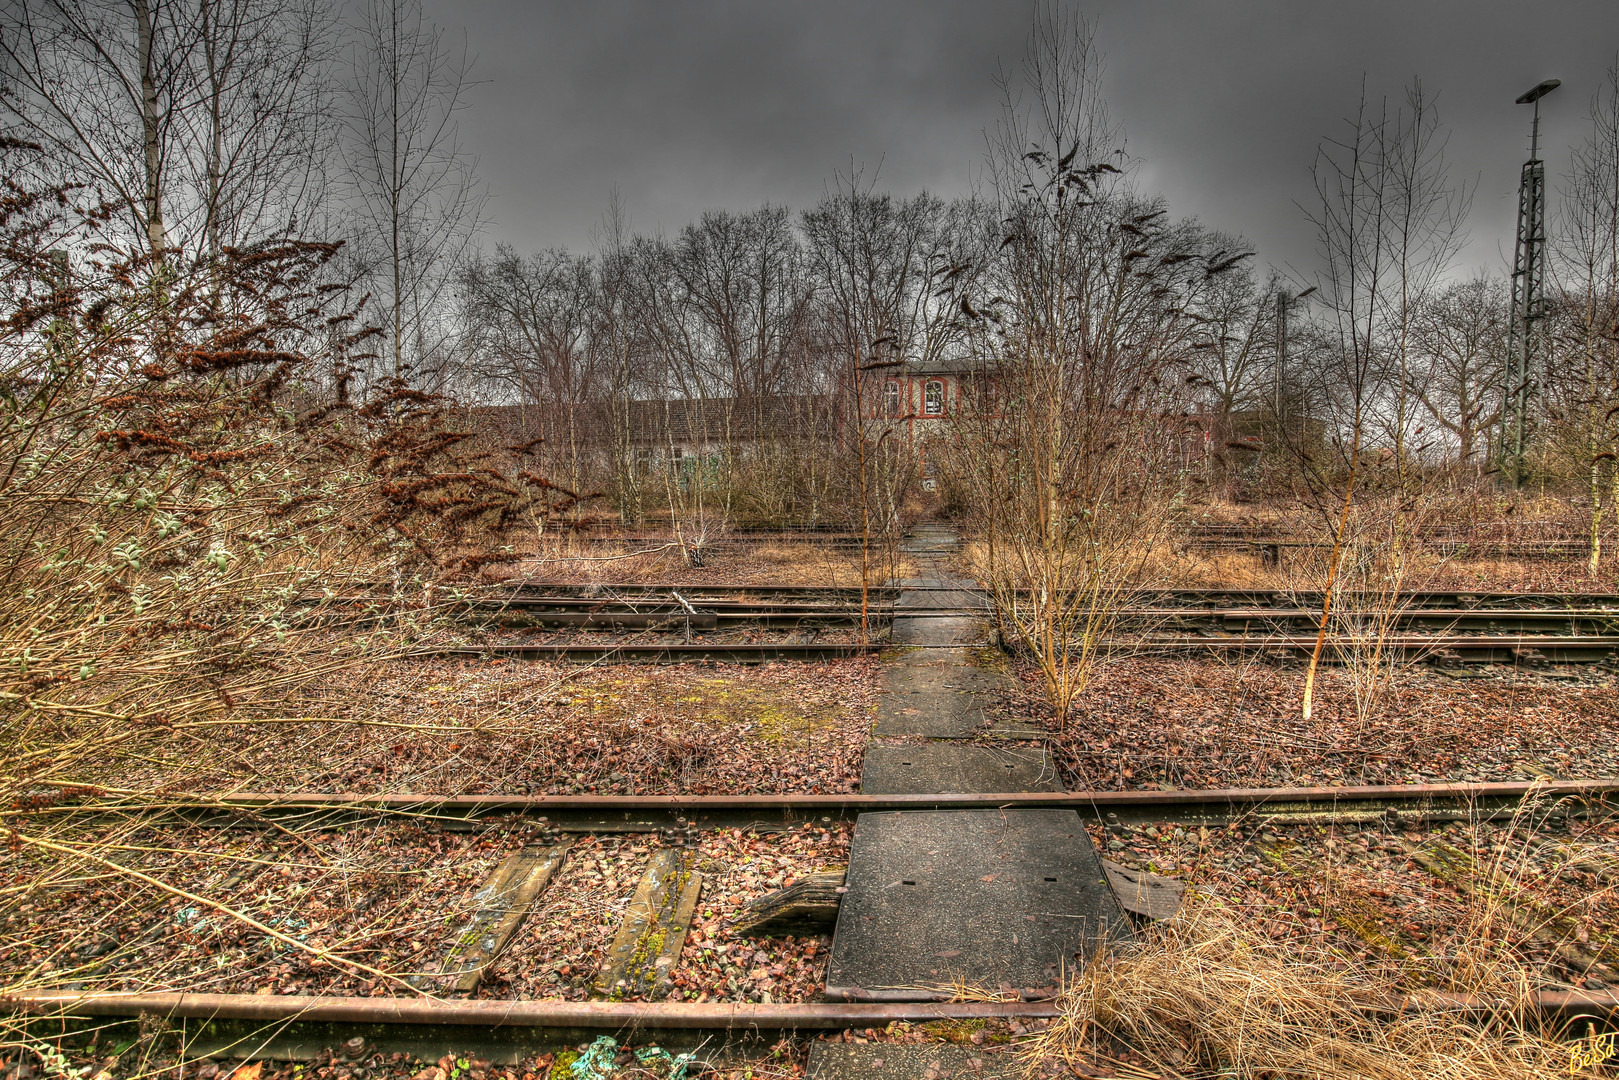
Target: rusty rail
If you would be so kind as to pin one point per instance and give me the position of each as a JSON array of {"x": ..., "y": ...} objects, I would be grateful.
[
  {"x": 492, "y": 1013},
  {"x": 1416, "y": 802},
  {"x": 659, "y": 1015}
]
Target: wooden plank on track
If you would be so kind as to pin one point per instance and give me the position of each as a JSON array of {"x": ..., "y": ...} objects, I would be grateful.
[
  {"x": 808, "y": 906},
  {"x": 500, "y": 906},
  {"x": 646, "y": 950}
]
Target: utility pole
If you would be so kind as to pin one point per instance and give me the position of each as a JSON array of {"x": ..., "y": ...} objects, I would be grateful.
[
  {"x": 1528, "y": 295},
  {"x": 1284, "y": 301}
]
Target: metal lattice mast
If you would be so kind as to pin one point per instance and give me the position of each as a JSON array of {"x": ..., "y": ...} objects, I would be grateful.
[{"x": 1528, "y": 297}]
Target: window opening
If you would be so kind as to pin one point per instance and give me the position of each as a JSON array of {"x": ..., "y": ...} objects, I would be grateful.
[{"x": 891, "y": 398}]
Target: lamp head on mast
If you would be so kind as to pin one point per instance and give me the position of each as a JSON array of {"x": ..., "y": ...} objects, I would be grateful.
[{"x": 1529, "y": 97}]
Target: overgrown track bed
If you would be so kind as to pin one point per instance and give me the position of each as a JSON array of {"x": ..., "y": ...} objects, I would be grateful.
[
  {"x": 1445, "y": 650},
  {"x": 467, "y": 725},
  {"x": 833, "y": 541},
  {"x": 1272, "y": 546},
  {"x": 1221, "y": 612},
  {"x": 1202, "y": 722},
  {"x": 1454, "y": 599},
  {"x": 1399, "y": 890},
  {"x": 701, "y": 614},
  {"x": 543, "y": 592},
  {"x": 710, "y": 614},
  {"x": 1543, "y": 540}
]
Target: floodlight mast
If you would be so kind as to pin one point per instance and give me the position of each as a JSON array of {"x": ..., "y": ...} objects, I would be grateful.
[
  {"x": 1528, "y": 295},
  {"x": 1284, "y": 302}
]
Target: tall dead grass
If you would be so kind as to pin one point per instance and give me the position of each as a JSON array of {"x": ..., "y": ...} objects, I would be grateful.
[{"x": 1199, "y": 996}]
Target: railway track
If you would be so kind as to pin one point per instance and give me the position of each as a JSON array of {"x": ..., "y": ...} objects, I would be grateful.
[
  {"x": 1527, "y": 540},
  {"x": 1406, "y": 803},
  {"x": 1476, "y": 542},
  {"x": 1449, "y": 628},
  {"x": 428, "y": 1024},
  {"x": 530, "y": 595},
  {"x": 566, "y": 595},
  {"x": 297, "y": 1027},
  {"x": 655, "y": 652},
  {"x": 1441, "y": 650},
  {"x": 1171, "y": 621},
  {"x": 714, "y": 614}
]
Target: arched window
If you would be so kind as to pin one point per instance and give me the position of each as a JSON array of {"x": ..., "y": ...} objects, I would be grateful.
[
  {"x": 891, "y": 397},
  {"x": 933, "y": 397}
]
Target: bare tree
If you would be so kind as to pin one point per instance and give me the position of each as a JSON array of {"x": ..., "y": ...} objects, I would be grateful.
[
  {"x": 413, "y": 189},
  {"x": 1081, "y": 321},
  {"x": 1388, "y": 223},
  {"x": 1234, "y": 342},
  {"x": 875, "y": 261},
  {"x": 97, "y": 84},
  {"x": 259, "y": 118},
  {"x": 1587, "y": 261},
  {"x": 1425, "y": 224},
  {"x": 531, "y": 321},
  {"x": 199, "y": 120},
  {"x": 1459, "y": 338},
  {"x": 617, "y": 341}
]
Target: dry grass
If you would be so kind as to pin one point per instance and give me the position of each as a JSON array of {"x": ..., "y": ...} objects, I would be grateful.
[
  {"x": 1190, "y": 568},
  {"x": 1200, "y": 997},
  {"x": 803, "y": 563}
]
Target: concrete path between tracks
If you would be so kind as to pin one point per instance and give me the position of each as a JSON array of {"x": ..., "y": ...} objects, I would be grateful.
[{"x": 944, "y": 902}]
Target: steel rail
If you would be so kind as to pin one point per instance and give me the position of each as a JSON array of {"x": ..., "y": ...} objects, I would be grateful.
[
  {"x": 481, "y": 1012},
  {"x": 656, "y": 652},
  {"x": 1455, "y": 649},
  {"x": 404, "y": 1021},
  {"x": 1509, "y": 549},
  {"x": 631, "y": 813},
  {"x": 1444, "y": 649},
  {"x": 541, "y": 592},
  {"x": 665, "y": 1015},
  {"x": 593, "y": 615},
  {"x": 631, "y": 589}
]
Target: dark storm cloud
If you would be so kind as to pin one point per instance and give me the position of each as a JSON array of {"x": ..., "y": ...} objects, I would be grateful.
[{"x": 690, "y": 106}]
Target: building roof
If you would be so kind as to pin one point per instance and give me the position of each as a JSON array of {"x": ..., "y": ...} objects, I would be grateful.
[
  {"x": 677, "y": 420},
  {"x": 964, "y": 365}
]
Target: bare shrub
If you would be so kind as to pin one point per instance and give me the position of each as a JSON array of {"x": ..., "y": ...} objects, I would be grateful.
[
  {"x": 186, "y": 470},
  {"x": 1075, "y": 457}
]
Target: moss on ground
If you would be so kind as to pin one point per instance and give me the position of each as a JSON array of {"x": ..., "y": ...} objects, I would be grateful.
[
  {"x": 992, "y": 659},
  {"x": 777, "y": 716},
  {"x": 962, "y": 1031}
]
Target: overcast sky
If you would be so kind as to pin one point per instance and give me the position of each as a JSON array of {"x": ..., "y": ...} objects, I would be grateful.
[{"x": 694, "y": 105}]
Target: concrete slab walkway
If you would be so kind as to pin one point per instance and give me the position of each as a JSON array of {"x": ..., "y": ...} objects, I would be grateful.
[{"x": 1002, "y": 901}]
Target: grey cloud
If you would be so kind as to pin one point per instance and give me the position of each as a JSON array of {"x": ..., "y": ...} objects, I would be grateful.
[{"x": 689, "y": 106}]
